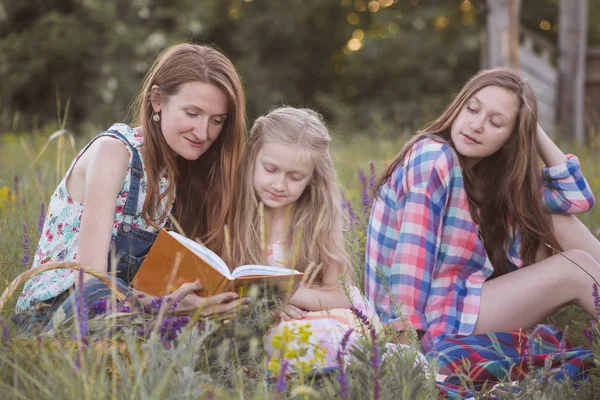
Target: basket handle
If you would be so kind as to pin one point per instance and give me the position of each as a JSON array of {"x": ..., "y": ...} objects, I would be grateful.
[{"x": 21, "y": 279}]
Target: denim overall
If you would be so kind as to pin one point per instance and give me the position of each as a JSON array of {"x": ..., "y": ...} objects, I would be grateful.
[{"x": 128, "y": 250}]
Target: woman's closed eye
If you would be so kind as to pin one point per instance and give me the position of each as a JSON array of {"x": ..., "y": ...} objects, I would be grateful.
[
  {"x": 495, "y": 124},
  {"x": 218, "y": 121}
]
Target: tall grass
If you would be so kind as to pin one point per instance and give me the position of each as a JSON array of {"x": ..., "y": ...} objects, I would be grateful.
[{"x": 209, "y": 359}]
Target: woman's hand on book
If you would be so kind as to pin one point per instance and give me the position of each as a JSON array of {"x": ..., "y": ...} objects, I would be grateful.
[{"x": 188, "y": 302}]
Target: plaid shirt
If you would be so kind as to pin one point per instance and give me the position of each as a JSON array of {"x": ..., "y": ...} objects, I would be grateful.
[{"x": 425, "y": 263}]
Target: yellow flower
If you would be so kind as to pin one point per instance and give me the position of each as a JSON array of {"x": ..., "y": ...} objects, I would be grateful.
[
  {"x": 293, "y": 343},
  {"x": 6, "y": 197},
  {"x": 274, "y": 366}
]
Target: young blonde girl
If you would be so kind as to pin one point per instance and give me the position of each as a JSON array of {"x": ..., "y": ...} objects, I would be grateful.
[
  {"x": 287, "y": 169},
  {"x": 180, "y": 156}
]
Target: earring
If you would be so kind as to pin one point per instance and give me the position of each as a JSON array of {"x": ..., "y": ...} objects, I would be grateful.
[{"x": 156, "y": 117}]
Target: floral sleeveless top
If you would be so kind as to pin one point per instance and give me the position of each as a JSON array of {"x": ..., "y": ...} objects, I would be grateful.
[{"x": 61, "y": 227}]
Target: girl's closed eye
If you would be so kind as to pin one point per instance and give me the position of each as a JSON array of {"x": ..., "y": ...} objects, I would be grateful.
[
  {"x": 269, "y": 168},
  {"x": 296, "y": 177},
  {"x": 495, "y": 123}
]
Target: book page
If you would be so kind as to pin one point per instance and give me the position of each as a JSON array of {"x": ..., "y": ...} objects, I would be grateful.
[
  {"x": 205, "y": 253},
  {"x": 249, "y": 270}
]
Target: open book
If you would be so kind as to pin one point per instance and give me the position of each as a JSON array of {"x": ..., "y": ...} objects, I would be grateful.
[{"x": 174, "y": 259}]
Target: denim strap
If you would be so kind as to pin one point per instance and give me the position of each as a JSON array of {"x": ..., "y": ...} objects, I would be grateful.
[{"x": 137, "y": 172}]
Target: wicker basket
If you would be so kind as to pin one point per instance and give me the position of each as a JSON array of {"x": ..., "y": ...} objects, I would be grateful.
[
  {"x": 21, "y": 279},
  {"x": 71, "y": 346}
]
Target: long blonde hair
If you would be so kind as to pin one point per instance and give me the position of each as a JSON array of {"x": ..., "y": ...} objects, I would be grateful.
[
  {"x": 314, "y": 223},
  {"x": 204, "y": 186},
  {"x": 510, "y": 199}
]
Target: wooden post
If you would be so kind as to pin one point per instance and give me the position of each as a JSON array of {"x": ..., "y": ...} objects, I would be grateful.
[
  {"x": 572, "y": 49},
  {"x": 502, "y": 33}
]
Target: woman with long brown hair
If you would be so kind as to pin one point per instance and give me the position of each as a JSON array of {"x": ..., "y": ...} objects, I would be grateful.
[
  {"x": 464, "y": 228},
  {"x": 178, "y": 158}
]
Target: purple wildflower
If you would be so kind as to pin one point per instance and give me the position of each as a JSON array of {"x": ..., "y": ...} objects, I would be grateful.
[
  {"x": 530, "y": 349},
  {"x": 26, "y": 258},
  {"x": 374, "y": 349},
  {"x": 5, "y": 333},
  {"x": 596, "y": 296},
  {"x": 372, "y": 177},
  {"x": 81, "y": 310},
  {"x": 172, "y": 326},
  {"x": 16, "y": 185},
  {"x": 81, "y": 320},
  {"x": 281, "y": 382},
  {"x": 362, "y": 178},
  {"x": 155, "y": 304},
  {"x": 124, "y": 308},
  {"x": 42, "y": 217},
  {"x": 174, "y": 303},
  {"x": 562, "y": 345},
  {"x": 39, "y": 173},
  {"x": 365, "y": 199},
  {"x": 99, "y": 307},
  {"x": 588, "y": 334},
  {"x": 347, "y": 207},
  {"x": 342, "y": 378}
]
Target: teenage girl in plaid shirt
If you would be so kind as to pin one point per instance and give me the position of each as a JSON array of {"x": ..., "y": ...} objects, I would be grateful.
[{"x": 463, "y": 207}]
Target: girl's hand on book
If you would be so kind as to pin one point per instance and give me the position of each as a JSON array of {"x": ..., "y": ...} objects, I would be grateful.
[
  {"x": 188, "y": 302},
  {"x": 289, "y": 312}
]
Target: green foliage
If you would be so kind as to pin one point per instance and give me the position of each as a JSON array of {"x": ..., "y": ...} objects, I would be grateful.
[
  {"x": 294, "y": 52},
  {"x": 368, "y": 66}
]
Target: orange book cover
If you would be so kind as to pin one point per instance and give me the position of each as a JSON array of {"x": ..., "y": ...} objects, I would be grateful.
[{"x": 174, "y": 259}]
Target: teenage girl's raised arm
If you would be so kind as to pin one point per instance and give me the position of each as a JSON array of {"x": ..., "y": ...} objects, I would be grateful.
[{"x": 564, "y": 188}]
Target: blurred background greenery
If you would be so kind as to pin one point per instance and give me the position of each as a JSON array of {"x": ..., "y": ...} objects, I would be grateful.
[{"x": 380, "y": 67}]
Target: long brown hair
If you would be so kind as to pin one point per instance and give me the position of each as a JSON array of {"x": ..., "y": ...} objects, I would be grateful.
[
  {"x": 204, "y": 186},
  {"x": 314, "y": 225},
  {"x": 509, "y": 179}
]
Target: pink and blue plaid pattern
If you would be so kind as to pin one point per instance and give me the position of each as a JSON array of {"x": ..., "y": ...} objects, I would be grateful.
[
  {"x": 425, "y": 264},
  {"x": 505, "y": 356}
]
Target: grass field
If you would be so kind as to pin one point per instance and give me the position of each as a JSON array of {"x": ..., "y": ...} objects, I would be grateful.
[{"x": 211, "y": 361}]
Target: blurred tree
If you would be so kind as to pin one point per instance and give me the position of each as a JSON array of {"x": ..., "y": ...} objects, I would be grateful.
[
  {"x": 401, "y": 64},
  {"x": 377, "y": 65},
  {"x": 48, "y": 47},
  {"x": 284, "y": 49}
]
